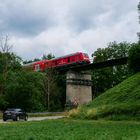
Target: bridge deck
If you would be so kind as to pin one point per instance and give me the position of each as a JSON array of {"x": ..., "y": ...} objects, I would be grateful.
[{"x": 97, "y": 65}]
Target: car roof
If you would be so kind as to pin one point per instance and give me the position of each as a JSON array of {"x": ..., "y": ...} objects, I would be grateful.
[{"x": 13, "y": 109}]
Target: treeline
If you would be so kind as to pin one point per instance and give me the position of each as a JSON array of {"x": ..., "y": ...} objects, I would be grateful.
[
  {"x": 29, "y": 89},
  {"x": 106, "y": 78},
  {"x": 35, "y": 91},
  {"x": 32, "y": 91}
]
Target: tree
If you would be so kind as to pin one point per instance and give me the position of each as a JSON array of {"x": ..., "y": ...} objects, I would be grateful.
[
  {"x": 54, "y": 89},
  {"x": 5, "y": 54},
  {"x": 134, "y": 57},
  {"x": 24, "y": 89},
  {"x": 48, "y": 56},
  {"x": 106, "y": 78},
  {"x": 9, "y": 62},
  {"x": 5, "y": 47}
]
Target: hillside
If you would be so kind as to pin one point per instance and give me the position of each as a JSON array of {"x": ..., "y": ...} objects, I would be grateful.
[{"x": 122, "y": 102}]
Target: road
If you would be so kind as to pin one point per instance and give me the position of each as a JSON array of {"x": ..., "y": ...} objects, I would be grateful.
[{"x": 37, "y": 118}]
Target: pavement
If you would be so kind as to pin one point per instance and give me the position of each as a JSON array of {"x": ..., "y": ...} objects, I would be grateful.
[{"x": 37, "y": 118}]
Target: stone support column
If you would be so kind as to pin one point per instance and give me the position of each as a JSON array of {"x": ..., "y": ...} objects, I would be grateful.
[{"x": 78, "y": 88}]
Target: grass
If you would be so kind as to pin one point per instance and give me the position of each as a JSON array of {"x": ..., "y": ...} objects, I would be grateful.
[
  {"x": 122, "y": 102},
  {"x": 66, "y": 129}
]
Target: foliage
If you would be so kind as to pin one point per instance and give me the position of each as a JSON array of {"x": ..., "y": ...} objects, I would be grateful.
[
  {"x": 9, "y": 62},
  {"x": 106, "y": 78},
  {"x": 70, "y": 130},
  {"x": 31, "y": 61},
  {"x": 48, "y": 56},
  {"x": 24, "y": 90},
  {"x": 3, "y": 102},
  {"x": 139, "y": 6},
  {"x": 134, "y": 57},
  {"x": 120, "y": 102},
  {"x": 55, "y": 90}
]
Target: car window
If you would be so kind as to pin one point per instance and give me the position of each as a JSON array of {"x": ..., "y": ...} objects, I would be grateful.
[
  {"x": 10, "y": 110},
  {"x": 18, "y": 110}
]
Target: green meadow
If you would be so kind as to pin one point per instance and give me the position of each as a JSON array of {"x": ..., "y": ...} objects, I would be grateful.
[{"x": 67, "y": 129}]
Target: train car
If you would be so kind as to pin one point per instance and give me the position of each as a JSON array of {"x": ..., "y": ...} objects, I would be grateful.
[
  {"x": 67, "y": 60},
  {"x": 36, "y": 66},
  {"x": 39, "y": 65},
  {"x": 71, "y": 59}
]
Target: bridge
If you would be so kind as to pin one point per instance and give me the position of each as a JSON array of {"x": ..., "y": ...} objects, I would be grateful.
[
  {"x": 95, "y": 65},
  {"x": 79, "y": 85}
]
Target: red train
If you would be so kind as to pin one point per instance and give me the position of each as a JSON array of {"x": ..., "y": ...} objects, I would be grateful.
[{"x": 67, "y": 60}]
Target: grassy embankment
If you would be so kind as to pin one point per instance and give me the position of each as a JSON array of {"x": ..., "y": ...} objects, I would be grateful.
[
  {"x": 70, "y": 130},
  {"x": 122, "y": 102}
]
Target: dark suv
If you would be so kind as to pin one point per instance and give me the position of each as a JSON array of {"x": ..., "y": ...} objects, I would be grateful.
[{"x": 15, "y": 114}]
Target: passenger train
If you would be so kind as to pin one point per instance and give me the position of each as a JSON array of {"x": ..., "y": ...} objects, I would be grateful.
[{"x": 77, "y": 58}]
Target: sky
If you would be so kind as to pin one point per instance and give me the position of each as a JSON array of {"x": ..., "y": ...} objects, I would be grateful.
[{"x": 60, "y": 27}]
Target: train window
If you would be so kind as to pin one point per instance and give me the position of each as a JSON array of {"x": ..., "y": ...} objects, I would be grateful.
[{"x": 37, "y": 67}]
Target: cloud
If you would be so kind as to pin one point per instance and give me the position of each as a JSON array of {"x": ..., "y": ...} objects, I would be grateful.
[
  {"x": 63, "y": 27},
  {"x": 25, "y": 17}
]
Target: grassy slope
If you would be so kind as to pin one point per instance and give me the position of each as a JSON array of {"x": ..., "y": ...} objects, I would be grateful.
[
  {"x": 70, "y": 130},
  {"x": 120, "y": 102}
]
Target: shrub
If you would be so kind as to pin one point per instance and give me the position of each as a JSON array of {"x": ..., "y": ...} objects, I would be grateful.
[{"x": 92, "y": 113}]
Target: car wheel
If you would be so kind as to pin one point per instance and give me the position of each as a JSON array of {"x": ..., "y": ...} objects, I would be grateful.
[
  {"x": 17, "y": 118},
  {"x": 26, "y": 118},
  {"x": 4, "y": 120}
]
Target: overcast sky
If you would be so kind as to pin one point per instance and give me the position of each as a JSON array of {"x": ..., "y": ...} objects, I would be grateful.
[{"x": 60, "y": 27}]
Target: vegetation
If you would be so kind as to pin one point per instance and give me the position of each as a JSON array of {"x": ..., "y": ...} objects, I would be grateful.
[
  {"x": 70, "y": 130},
  {"x": 119, "y": 103},
  {"x": 24, "y": 90},
  {"x": 35, "y": 91},
  {"x": 134, "y": 58},
  {"x": 27, "y": 89},
  {"x": 106, "y": 78}
]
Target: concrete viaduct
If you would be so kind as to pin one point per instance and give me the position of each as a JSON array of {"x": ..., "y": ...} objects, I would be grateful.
[{"x": 79, "y": 85}]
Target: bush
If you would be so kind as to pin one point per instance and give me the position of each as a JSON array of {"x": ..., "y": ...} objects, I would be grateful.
[{"x": 134, "y": 58}]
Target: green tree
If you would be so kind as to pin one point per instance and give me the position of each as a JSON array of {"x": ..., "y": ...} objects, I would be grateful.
[
  {"x": 106, "y": 78},
  {"x": 9, "y": 61},
  {"x": 25, "y": 90},
  {"x": 48, "y": 56},
  {"x": 54, "y": 89},
  {"x": 134, "y": 57}
]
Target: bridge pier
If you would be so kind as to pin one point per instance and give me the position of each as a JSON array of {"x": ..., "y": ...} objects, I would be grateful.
[{"x": 78, "y": 88}]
